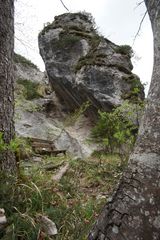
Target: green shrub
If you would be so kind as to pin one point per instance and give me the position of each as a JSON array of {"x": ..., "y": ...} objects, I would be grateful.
[
  {"x": 31, "y": 88},
  {"x": 18, "y": 145},
  {"x": 25, "y": 62},
  {"x": 116, "y": 129},
  {"x": 72, "y": 118},
  {"x": 125, "y": 50},
  {"x": 136, "y": 93}
]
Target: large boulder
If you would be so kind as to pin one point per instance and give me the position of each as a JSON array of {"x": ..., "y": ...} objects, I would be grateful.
[{"x": 84, "y": 66}]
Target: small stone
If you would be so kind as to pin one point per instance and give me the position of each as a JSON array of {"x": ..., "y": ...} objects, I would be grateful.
[
  {"x": 3, "y": 219},
  {"x": 37, "y": 159},
  {"x": 47, "y": 225},
  {"x": 146, "y": 213},
  {"x": 115, "y": 229}
]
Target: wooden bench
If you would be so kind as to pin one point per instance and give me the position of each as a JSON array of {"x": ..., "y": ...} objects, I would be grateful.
[{"x": 45, "y": 147}]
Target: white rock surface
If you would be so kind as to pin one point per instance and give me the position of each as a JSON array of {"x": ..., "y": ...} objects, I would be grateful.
[{"x": 44, "y": 118}]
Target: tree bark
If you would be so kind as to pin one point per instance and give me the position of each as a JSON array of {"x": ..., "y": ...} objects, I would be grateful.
[
  {"x": 133, "y": 212},
  {"x": 7, "y": 158}
]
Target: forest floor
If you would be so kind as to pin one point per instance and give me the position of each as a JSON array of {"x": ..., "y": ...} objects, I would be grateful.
[{"x": 72, "y": 202}]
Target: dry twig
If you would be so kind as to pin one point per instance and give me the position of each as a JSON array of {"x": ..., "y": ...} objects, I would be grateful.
[{"x": 64, "y": 5}]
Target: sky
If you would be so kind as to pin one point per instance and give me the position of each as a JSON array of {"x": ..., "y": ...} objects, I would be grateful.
[{"x": 117, "y": 20}]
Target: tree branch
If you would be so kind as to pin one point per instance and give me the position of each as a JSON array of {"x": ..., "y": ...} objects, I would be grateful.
[
  {"x": 138, "y": 4},
  {"x": 140, "y": 25},
  {"x": 64, "y": 6}
]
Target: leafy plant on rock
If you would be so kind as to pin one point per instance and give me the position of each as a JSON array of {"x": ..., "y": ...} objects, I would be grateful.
[
  {"x": 30, "y": 88},
  {"x": 19, "y": 146},
  {"x": 116, "y": 131},
  {"x": 72, "y": 118},
  {"x": 25, "y": 62},
  {"x": 125, "y": 50}
]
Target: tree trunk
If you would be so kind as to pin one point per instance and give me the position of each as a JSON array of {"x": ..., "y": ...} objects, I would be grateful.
[
  {"x": 133, "y": 212},
  {"x": 7, "y": 158}
]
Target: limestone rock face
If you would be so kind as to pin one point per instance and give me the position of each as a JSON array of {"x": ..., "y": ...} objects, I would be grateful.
[
  {"x": 84, "y": 66},
  {"x": 39, "y": 114}
]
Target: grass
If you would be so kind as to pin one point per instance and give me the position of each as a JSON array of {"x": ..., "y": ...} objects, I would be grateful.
[
  {"x": 73, "y": 203},
  {"x": 87, "y": 17},
  {"x": 90, "y": 60}
]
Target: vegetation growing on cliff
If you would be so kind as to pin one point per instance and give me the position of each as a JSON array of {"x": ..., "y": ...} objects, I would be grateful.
[
  {"x": 125, "y": 49},
  {"x": 67, "y": 40},
  {"x": 136, "y": 92},
  {"x": 116, "y": 131},
  {"x": 30, "y": 88},
  {"x": 25, "y": 62},
  {"x": 58, "y": 20}
]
